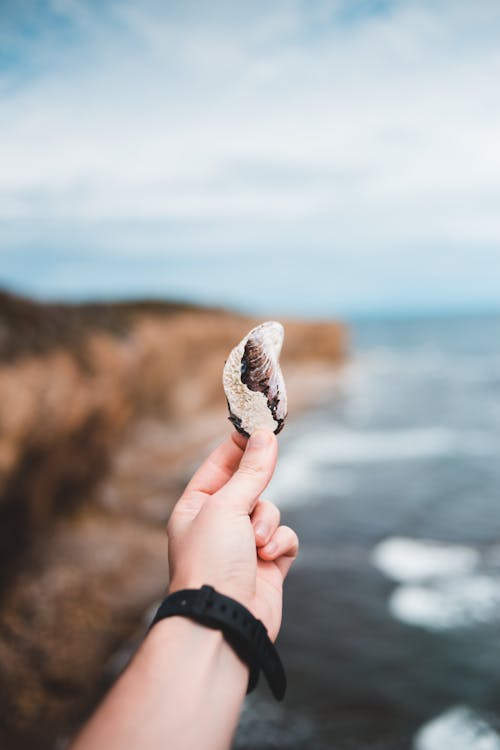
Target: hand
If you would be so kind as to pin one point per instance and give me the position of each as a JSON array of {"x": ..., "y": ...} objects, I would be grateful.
[{"x": 222, "y": 534}]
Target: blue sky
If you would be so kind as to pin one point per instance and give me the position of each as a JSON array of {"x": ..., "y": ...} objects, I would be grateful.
[{"x": 316, "y": 157}]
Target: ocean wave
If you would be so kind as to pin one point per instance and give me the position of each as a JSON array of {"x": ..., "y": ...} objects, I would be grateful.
[
  {"x": 458, "y": 728},
  {"x": 301, "y": 474},
  {"x": 443, "y": 586},
  {"x": 461, "y": 601},
  {"x": 299, "y": 480},
  {"x": 409, "y": 560},
  {"x": 427, "y": 361},
  {"x": 347, "y": 446}
]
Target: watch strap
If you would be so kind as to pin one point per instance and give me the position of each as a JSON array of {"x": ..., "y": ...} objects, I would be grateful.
[{"x": 246, "y": 634}]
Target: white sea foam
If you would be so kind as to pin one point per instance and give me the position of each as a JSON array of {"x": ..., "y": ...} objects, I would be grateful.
[
  {"x": 427, "y": 361},
  {"x": 344, "y": 446},
  {"x": 447, "y": 603},
  {"x": 409, "y": 560},
  {"x": 440, "y": 589},
  {"x": 459, "y": 728},
  {"x": 300, "y": 472},
  {"x": 299, "y": 480}
]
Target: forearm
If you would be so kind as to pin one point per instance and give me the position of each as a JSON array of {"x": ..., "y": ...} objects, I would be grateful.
[{"x": 183, "y": 691}]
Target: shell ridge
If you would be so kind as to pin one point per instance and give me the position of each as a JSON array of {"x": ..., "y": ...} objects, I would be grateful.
[{"x": 253, "y": 381}]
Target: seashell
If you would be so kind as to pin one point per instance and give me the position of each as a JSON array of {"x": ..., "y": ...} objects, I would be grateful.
[{"x": 253, "y": 381}]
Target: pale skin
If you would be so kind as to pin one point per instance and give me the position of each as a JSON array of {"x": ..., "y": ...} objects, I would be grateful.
[{"x": 185, "y": 686}]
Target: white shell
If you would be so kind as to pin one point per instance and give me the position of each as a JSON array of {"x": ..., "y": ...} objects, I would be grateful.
[{"x": 253, "y": 381}]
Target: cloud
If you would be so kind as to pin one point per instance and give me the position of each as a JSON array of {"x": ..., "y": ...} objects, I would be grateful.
[{"x": 322, "y": 126}]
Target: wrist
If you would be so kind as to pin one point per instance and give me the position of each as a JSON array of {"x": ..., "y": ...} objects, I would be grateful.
[
  {"x": 182, "y": 644},
  {"x": 242, "y": 594},
  {"x": 246, "y": 634}
]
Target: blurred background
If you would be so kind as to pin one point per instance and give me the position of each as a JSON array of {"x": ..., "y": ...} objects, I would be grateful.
[{"x": 171, "y": 174}]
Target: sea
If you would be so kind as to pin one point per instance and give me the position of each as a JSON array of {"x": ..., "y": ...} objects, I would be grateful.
[{"x": 391, "y": 630}]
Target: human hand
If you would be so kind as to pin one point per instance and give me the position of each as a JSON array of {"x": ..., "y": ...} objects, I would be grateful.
[{"x": 222, "y": 534}]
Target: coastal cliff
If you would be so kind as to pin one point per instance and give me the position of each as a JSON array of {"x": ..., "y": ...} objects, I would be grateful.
[{"x": 104, "y": 409}]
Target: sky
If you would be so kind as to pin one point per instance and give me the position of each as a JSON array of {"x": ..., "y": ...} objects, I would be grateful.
[{"x": 317, "y": 157}]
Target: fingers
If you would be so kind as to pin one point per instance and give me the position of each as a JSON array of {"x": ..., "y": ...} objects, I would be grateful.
[
  {"x": 218, "y": 467},
  {"x": 239, "y": 439},
  {"x": 213, "y": 473},
  {"x": 283, "y": 548},
  {"x": 265, "y": 521},
  {"x": 254, "y": 472}
]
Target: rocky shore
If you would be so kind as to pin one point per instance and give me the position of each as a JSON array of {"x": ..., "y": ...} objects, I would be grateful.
[{"x": 104, "y": 409}]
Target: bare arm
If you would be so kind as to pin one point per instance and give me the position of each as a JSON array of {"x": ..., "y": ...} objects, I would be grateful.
[
  {"x": 184, "y": 690},
  {"x": 185, "y": 687}
]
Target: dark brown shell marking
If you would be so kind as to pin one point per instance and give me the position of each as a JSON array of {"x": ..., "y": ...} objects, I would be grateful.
[{"x": 256, "y": 371}]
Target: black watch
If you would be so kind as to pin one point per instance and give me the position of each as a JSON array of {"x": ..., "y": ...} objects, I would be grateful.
[{"x": 245, "y": 633}]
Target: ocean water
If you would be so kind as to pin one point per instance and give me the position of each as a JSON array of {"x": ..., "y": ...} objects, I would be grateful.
[{"x": 391, "y": 635}]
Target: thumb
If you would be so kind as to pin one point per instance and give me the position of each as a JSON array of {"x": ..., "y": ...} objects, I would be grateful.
[{"x": 254, "y": 472}]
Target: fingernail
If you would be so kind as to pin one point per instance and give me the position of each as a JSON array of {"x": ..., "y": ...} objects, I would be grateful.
[
  {"x": 261, "y": 530},
  {"x": 270, "y": 548},
  {"x": 260, "y": 439}
]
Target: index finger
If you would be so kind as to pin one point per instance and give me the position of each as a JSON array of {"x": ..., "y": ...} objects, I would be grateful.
[
  {"x": 254, "y": 472},
  {"x": 218, "y": 467}
]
